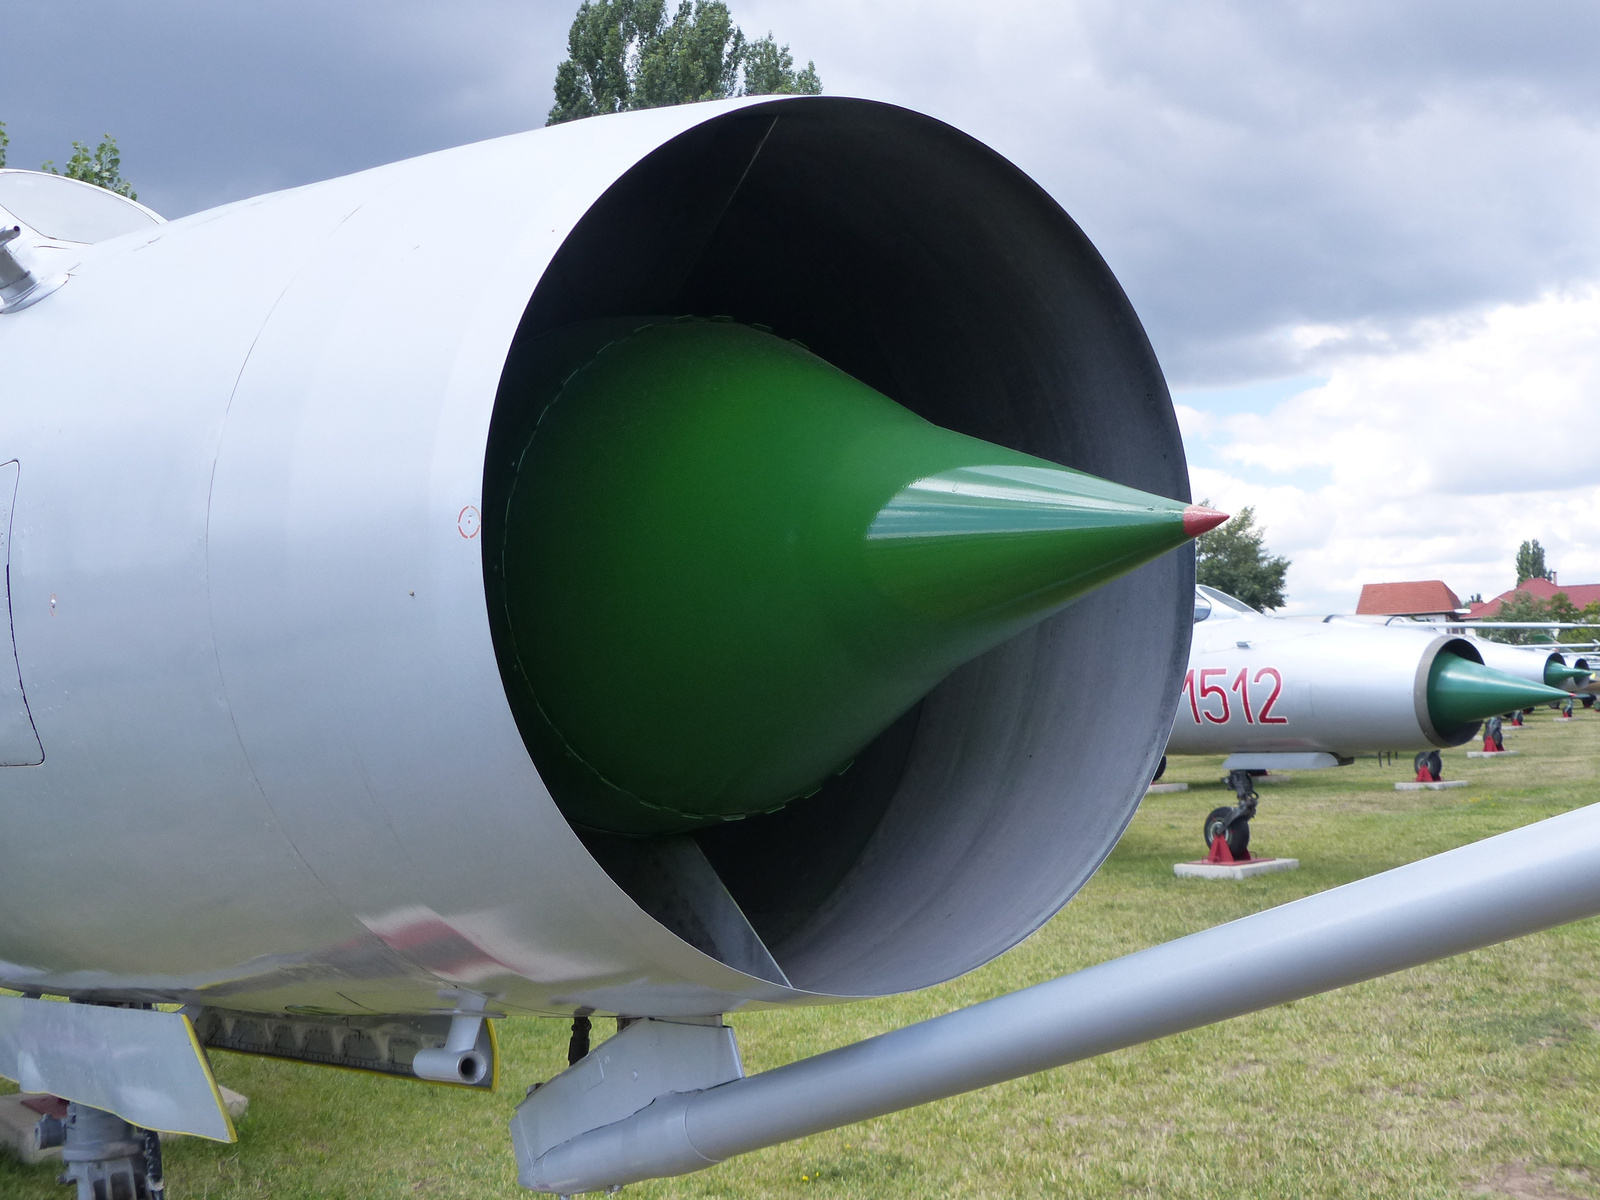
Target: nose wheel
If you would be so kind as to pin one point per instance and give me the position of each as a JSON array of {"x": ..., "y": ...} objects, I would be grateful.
[
  {"x": 1429, "y": 766},
  {"x": 1222, "y": 823},
  {"x": 1227, "y": 830}
]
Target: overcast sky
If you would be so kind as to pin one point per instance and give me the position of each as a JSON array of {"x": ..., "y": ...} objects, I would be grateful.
[{"x": 1365, "y": 238}]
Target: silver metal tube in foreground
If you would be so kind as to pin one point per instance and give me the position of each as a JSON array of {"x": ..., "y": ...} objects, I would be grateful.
[{"x": 1520, "y": 882}]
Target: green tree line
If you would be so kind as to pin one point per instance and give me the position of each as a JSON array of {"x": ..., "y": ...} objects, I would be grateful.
[
  {"x": 1524, "y": 606},
  {"x": 631, "y": 54}
]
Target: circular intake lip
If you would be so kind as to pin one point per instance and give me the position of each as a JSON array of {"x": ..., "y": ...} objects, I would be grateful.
[
  {"x": 916, "y": 259},
  {"x": 1456, "y": 735}
]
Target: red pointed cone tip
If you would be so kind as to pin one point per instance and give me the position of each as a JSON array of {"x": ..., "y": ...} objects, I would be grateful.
[{"x": 1197, "y": 518}]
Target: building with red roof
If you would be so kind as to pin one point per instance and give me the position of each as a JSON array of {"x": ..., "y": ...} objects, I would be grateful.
[
  {"x": 1417, "y": 598},
  {"x": 1581, "y": 594}
]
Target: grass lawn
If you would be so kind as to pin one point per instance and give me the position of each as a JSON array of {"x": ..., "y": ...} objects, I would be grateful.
[{"x": 1478, "y": 1075}]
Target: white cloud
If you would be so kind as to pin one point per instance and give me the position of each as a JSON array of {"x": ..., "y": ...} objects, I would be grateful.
[
  {"x": 1433, "y": 461},
  {"x": 1195, "y": 422}
]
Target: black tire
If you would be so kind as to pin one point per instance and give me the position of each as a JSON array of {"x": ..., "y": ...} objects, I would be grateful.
[
  {"x": 1161, "y": 769},
  {"x": 1431, "y": 759},
  {"x": 1238, "y": 836}
]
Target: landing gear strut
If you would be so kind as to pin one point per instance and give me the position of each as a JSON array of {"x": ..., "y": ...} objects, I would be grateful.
[
  {"x": 1227, "y": 830},
  {"x": 108, "y": 1158}
]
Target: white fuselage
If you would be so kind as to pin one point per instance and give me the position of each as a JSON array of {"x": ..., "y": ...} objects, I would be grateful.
[{"x": 255, "y": 746}]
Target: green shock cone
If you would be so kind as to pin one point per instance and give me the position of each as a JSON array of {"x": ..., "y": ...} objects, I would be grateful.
[
  {"x": 728, "y": 566},
  {"x": 1557, "y": 675},
  {"x": 1462, "y": 693}
]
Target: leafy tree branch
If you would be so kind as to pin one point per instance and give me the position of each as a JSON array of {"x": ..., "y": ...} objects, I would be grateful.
[
  {"x": 101, "y": 166},
  {"x": 1232, "y": 559},
  {"x": 631, "y": 54}
]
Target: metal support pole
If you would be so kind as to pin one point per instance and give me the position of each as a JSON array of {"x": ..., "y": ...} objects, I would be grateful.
[{"x": 1520, "y": 882}]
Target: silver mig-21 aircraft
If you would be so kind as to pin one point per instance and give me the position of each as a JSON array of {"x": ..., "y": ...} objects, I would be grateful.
[
  {"x": 645, "y": 568},
  {"x": 1281, "y": 693}
]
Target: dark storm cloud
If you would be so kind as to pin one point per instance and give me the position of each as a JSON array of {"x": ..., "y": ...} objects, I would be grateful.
[
  {"x": 216, "y": 101},
  {"x": 1363, "y": 165},
  {"x": 1245, "y": 167}
]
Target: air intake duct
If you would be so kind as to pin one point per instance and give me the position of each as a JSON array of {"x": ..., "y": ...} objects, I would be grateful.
[{"x": 728, "y": 566}]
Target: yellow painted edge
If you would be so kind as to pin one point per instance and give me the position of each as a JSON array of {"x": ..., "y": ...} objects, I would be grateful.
[
  {"x": 205, "y": 1065},
  {"x": 494, "y": 1057},
  {"x": 216, "y": 1092}
]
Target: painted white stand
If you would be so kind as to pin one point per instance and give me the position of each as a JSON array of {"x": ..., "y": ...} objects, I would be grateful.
[
  {"x": 1244, "y": 870},
  {"x": 1430, "y": 787},
  {"x": 1492, "y": 753}
]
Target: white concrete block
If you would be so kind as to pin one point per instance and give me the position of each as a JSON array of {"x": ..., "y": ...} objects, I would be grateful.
[
  {"x": 1166, "y": 787},
  {"x": 236, "y": 1104},
  {"x": 17, "y": 1125},
  {"x": 1244, "y": 870},
  {"x": 1430, "y": 787},
  {"x": 1493, "y": 753}
]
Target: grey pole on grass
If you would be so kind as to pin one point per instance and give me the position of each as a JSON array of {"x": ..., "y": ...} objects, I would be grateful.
[{"x": 1533, "y": 878}]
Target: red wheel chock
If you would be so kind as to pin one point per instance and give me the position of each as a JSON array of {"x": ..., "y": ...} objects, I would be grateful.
[{"x": 1222, "y": 856}]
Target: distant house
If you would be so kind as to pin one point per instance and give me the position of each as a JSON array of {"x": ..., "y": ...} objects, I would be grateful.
[
  {"x": 1418, "y": 598},
  {"x": 1581, "y": 595}
]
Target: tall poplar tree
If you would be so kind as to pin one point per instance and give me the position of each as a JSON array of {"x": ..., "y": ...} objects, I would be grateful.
[{"x": 1530, "y": 562}]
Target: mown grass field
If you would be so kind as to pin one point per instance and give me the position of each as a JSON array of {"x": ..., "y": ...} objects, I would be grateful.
[{"x": 1479, "y": 1075}]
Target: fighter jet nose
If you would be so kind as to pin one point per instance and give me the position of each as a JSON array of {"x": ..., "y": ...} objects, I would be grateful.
[
  {"x": 1197, "y": 518},
  {"x": 728, "y": 566},
  {"x": 1462, "y": 692}
]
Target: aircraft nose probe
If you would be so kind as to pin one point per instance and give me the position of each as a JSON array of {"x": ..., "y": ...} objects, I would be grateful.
[{"x": 728, "y": 565}]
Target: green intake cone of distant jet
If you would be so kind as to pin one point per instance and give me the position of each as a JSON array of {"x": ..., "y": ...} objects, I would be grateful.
[
  {"x": 728, "y": 566},
  {"x": 1462, "y": 692},
  {"x": 1555, "y": 674}
]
